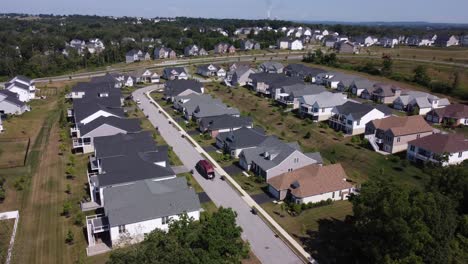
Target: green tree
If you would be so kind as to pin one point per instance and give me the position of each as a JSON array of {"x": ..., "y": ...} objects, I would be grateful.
[
  {"x": 66, "y": 209},
  {"x": 70, "y": 237},
  {"x": 387, "y": 66},
  {"x": 420, "y": 76}
]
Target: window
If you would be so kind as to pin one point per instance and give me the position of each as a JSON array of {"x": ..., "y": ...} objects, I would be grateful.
[
  {"x": 333, "y": 194},
  {"x": 418, "y": 135},
  {"x": 323, "y": 110},
  {"x": 121, "y": 229},
  {"x": 412, "y": 148},
  {"x": 460, "y": 154},
  {"x": 350, "y": 122},
  {"x": 398, "y": 139},
  {"x": 165, "y": 220},
  {"x": 358, "y": 122}
]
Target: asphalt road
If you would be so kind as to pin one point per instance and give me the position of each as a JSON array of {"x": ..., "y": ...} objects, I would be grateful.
[{"x": 267, "y": 247}]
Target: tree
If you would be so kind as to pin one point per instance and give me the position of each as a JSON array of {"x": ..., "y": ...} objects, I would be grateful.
[
  {"x": 214, "y": 239},
  {"x": 68, "y": 188},
  {"x": 420, "y": 76},
  {"x": 66, "y": 209},
  {"x": 69, "y": 238},
  {"x": 387, "y": 65},
  {"x": 70, "y": 172},
  {"x": 79, "y": 219},
  {"x": 62, "y": 148}
]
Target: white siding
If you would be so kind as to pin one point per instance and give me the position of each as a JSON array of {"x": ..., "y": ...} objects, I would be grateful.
[{"x": 325, "y": 196}]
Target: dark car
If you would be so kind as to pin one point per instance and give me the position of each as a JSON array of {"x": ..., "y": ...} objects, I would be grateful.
[{"x": 205, "y": 169}]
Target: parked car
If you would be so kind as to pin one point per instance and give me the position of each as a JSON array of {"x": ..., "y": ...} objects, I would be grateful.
[{"x": 205, "y": 169}]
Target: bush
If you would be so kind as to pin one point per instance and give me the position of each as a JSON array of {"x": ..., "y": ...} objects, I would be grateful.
[
  {"x": 66, "y": 209},
  {"x": 69, "y": 238},
  {"x": 79, "y": 219},
  {"x": 307, "y": 135},
  {"x": 356, "y": 139},
  {"x": 19, "y": 183}
]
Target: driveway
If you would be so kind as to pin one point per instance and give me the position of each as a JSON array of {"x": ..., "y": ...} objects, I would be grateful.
[
  {"x": 204, "y": 198},
  {"x": 267, "y": 247},
  {"x": 262, "y": 198},
  {"x": 233, "y": 170},
  {"x": 210, "y": 148}
]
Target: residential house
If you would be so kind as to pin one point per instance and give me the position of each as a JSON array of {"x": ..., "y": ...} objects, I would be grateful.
[
  {"x": 388, "y": 42},
  {"x": 144, "y": 76},
  {"x": 319, "y": 106},
  {"x": 265, "y": 83},
  {"x": 445, "y": 149},
  {"x": 283, "y": 43},
  {"x": 346, "y": 47},
  {"x": 453, "y": 115},
  {"x": 10, "y": 103},
  {"x": 419, "y": 102},
  {"x": 210, "y": 70},
  {"x": 289, "y": 94},
  {"x": 445, "y": 40},
  {"x": 248, "y": 44},
  {"x": 222, "y": 48},
  {"x": 273, "y": 157},
  {"x": 23, "y": 86},
  {"x": 329, "y": 41},
  {"x": 359, "y": 85},
  {"x": 351, "y": 118},
  {"x": 271, "y": 67},
  {"x": 182, "y": 87},
  {"x": 92, "y": 107},
  {"x": 427, "y": 40},
  {"x": 295, "y": 45},
  {"x": 194, "y": 50},
  {"x": 311, "y": 184},
  {"x": 99, "y": 89},
  {"x": 164, "y": 53},
  {"x": 239, "y": 76},
  {"x": 1, "y": 125},
  {"x": 207, "y": 109},
  {"x": 383, "y": 93},
  {"x": 83, "y": 135},
  {"x": 175, "y": 73},
  {"x": 302, "y": 71},
  {"x": 135, "y": 55},
  {"x": 336, "y": 80},
  {"x": 392, "y": 134},
  {"x": 223, "y": 123},
  {"x": 464, "y": 40},
  {"x": 235, "y": 141}
]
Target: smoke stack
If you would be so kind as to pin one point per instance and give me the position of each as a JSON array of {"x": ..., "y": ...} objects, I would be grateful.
[{"x": 269, "y": 4}]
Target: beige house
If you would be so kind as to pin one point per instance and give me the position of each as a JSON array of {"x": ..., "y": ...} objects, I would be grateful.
[{"x": 392, "y": 134}]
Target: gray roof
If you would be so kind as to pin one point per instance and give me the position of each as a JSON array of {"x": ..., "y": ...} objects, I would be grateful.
[
  {"x": 272, "y": 66},
  {"x": 11, "y": 97},
  {"x": 315, "y": 156},
  {"x": 242, "y": 138},
  {"x": 98, "y": 86},
  {"x": 302, "y": 70},
  {"x": 210, "y": 109},
  {"x": 24, "y": 79},
  {"x": 297, "y": 90},
  {"x": 123, "y": 144},
  {"x": 19, "y": 85},
  {"x": 225, "y": 122},
  {"x": 146, "y": 200},
  {"x": 176, "y": 87},
  {"x": 363, "y": 83},
  {"x": 357, "y": 110},
  {"x": 168, "y": 71},
  {"x": 132, "y": 52},
  {"x": 128, "y": 125},
  {"x": 325, "y": 99},
  {"x": 274, "y": 79},
  {"x": 89, "y": 105}
]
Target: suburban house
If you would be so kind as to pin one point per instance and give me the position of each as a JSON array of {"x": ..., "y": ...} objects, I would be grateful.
[
  {"x": 295, "y": 45},
  {"x": 392, "y": 134},
  {"x": 239, "y": 76},
  {"x": 445, "y": 40},
  {"x": 248, "y": 44},
  {"x": 464, "y": 40},
  {"x": 92, "y": 107},
  {"x": 10, "y": 103},
  {"x": 235, "y": 141},
  {"x": 289, "y": 94},
  {"x": 319, "y": 106},
  {"x": 144, "y": 76},
  {"x": 427, "y": 40},
  {"x": 448, "y": 149},
  {"x": 351, "y": 118},
  {"x": 311, "y": 184},
  {"x": 420, "y": 102},
  {"x": 222, "y": 48},
  {"x": 1, "y": 125},
  {"x": 273, "y": 157},
  {"x": 23, "y": 86},
  {"x": 329, "y": 41},
  {"x": 337, "y": 80},
  {"x": 182, "y": 87},
  {"x": 135, "y": 209},
  {"x": 83, "y": 135},
  {"x": 265, "y": 83},
  {"x": 453, "y": 115},
  {"x": 175, "y": 73},
  {"x": 210, "y": 70},
  {"x": 100, "y": 89},
  {"x": 302, "y": 71},
  {"x": 382, "y": 93},
  {"x": 136, "y": 55},
  {"x": 164, "y": 53},
  {"x": 210, "y": 108},
  {"x": 359, "y": 85},
  {"x": 223, "y": 123},
  {"x": 346, "y": 47},
  {"x": 194, "y": 50},
  {"x": 388, "y": 42},
  {"x": 283, "y": 43},
  {"x": 271, "y": 67}
]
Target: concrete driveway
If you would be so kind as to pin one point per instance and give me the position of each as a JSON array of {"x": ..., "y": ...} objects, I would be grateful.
[{"x": 267, "y": 247}]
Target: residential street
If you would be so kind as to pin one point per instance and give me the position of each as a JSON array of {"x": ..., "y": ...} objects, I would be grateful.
[{"x": 267, "y": 247}]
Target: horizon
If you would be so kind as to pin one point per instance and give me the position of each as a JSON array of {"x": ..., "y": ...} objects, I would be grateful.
[{"x": 436, "y": 13}]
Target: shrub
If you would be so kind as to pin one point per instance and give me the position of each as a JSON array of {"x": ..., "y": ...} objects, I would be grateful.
[
  {"x": 66, "y": 209},
  {"x": 69, "y": 238},
  {"x": 19, "y": 183},
  {"x": 307, "y": 135},
  {"x": 79, "y": 219}
]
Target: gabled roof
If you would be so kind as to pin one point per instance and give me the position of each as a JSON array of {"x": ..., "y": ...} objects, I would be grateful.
[
  {"x": 453, "y": 111},
  {"x": 123, "y": 144},
  {"x": 176, "y": 87},
  {"x": 324, "y": 99},
  {"x": 176, "y": 70},
  {"x": 146, "y": 200},
  {"x": 402, "y": 125},
  {"x": 214, "y": 109},
  {"x": 272, "y": 65},
  {"x": 89, "y": 105},
  {"x": 11, "y": 97},
  {"x": 128, "y": 125},
  {"x": 19, "y": 85},
  {"x": 312, "y": 180},
  {"x": 242, "y": 138},
  {"x": 225, "y": 122},
  {"x": 442, "y": 143},
  {"x": 386, "y": 90},
  {"x": 132, "y": 52},
  {"x": 357, "y": 110},
  {"x": 274, "y": 79}
]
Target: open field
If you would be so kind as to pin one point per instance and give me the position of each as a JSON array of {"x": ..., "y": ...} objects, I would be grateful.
[
  {"x": 6, "y": 230},
  {"x": 13, "y": 152},
  {"x": 450, "y": 54},
  {"x": 359, "y": 162}
]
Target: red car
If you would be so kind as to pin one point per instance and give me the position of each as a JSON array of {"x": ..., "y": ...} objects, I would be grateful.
[{"x": 205, "y": 169}]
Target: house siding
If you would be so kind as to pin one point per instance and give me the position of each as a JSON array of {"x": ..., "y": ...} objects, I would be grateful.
[
  {"x": 393, "y": 146},
  {"x": 289, "y": 163},
  {"x": 12, "y": 109},
  {"x": 335, "y": 196}
]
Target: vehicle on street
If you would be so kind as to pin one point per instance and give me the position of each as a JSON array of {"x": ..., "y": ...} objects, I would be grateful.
[{"x": 205, "y": 169}]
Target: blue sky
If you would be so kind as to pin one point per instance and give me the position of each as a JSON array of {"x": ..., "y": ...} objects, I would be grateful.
[{"x": 452, "y": 11}]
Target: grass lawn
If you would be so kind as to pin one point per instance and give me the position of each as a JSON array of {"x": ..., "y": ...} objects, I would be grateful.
[
  {"x": 13, "y": 152},
  {"x": 6, "y": 230},
  {"x": 359, "y": 162},
  {"x": 250, "y": 184}
]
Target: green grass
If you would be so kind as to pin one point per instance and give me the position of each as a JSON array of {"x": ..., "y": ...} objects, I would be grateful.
[
  {"x": 191, "y": 181},
  {"x": 250, "y": 184},
  {"x": 209, "y": 207}
]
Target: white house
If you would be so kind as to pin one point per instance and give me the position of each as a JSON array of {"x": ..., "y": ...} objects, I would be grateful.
[
  {"x": 23, "y": 86},
  {"x": 296, "y": 45},
  {"x": 450, "y": 149},
  {"x": 1, "y": 125},
  {"x": 10, "y": 104},
  {"x": 312, "y": 184},
  {"x": 351, "y": 117},
  {"x": 422, "y": 102},
  {"x": 319, "y": 106}
]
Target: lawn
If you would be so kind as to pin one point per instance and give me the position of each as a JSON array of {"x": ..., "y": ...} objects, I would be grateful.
[
  {"x": 13, "y": 152},
  {"x": 360, "y": 162},
  {"x": 6, "y": 229}
]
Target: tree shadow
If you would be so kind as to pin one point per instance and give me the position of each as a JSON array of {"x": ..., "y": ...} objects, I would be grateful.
[{"x": 332, "y": 242}]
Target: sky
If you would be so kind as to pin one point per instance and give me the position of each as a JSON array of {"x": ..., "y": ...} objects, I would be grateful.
[{"x": 445, "y": 11}]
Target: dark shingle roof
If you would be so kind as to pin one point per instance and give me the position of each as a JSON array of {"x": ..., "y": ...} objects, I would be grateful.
[
  {"x": 442, "y": 143},
  {"x": 12, "y": 98},
  {"x": 89, "y": 105},
  {"x": 176, "y": 87},
  {"x": 225, "y": 122},
  {"x": 358, "y": 110},
  {"x": 242, "y": 138},
  {"x": 301, "y": 69}
]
